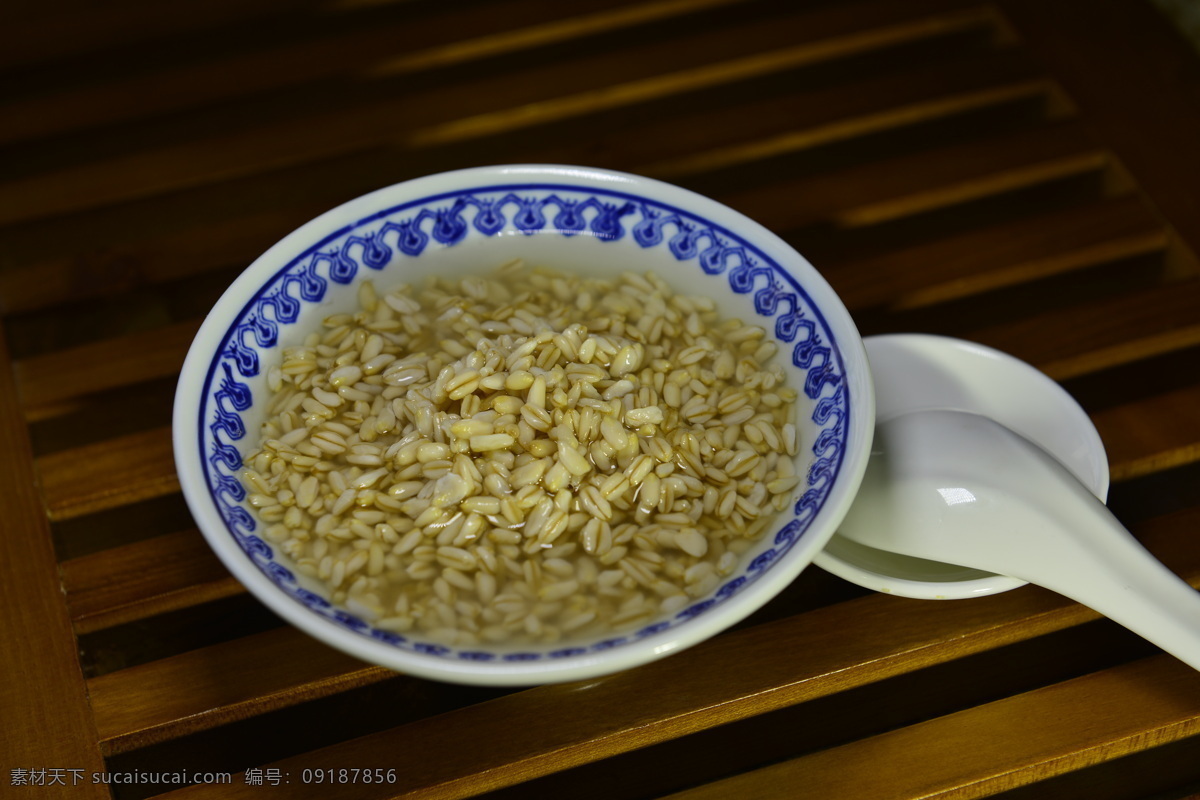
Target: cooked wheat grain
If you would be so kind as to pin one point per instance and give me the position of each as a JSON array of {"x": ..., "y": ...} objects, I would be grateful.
[{"x": 524, "y": 456}]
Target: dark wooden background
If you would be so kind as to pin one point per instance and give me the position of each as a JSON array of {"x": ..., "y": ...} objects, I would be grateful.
[{"x": 1018, "y": 172}]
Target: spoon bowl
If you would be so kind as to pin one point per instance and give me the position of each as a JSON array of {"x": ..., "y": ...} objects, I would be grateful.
[
  {"x": 961, "y": 488},
  {"x": 922, "y": 372}
]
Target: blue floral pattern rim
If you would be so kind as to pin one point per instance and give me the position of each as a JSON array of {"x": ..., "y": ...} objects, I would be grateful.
[{"x": 447, "y": 219}]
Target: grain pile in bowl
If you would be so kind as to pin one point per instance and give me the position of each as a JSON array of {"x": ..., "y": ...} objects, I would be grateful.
[{"x": 525, "y": 457}]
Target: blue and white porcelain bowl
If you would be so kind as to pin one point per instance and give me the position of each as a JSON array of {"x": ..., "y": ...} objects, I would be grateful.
[{"x": 572, "y": 218}]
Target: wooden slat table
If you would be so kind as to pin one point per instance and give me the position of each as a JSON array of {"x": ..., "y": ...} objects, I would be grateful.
[{"x": 1018, "y": 172}]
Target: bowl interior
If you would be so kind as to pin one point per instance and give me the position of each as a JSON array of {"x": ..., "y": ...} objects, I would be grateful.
[{"x": 473, "y": 222}]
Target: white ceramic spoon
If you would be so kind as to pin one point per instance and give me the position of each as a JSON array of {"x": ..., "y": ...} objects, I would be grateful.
[
  {"x": 921, "y": 372},
  {"x": 960, "y": 488}
]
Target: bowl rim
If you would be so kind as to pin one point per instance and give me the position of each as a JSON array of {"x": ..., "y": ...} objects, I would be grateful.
[{"x": 201, "y": 362}]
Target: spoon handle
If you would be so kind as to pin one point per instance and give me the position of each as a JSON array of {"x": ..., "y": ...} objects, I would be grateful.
[
  {"x": 962, "y": 489},
  {"x": 1083, "y": 551},
  {"x": 1108, "y": 570}
]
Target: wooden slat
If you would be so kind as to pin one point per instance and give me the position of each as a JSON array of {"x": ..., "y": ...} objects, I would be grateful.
[
  {"x": 912, "y": 95},
  {"x": 1023, "y": 250},
  {"x": 731, "y": 677},
  {"x": 706, "y": 139},
  {"x": 46, "y": 718},
  {"x": 931, "y": 178},
  {"x": 1152, "y": 435},
  {"x": 54, "y": 33},
  {"x": 554, "y": 727},
  {"x": 1107, "y": 333},
  {"x": 138, "y": 580},
  {"x": 382, "y": 50},
  {"x": 762, "y": 64},
  {"x": 108, "y": 474},
  {"x": 547, "y": 30},
  {"x": 1024, "y": 739},
  {"x": 233, "y": 680},
  {"x": 96, "y": 267},
  {"x": 1081, "y": 237},
  {"x": 1137, "y": 81},
  {"x": 871, "y": 122},
  {"x": 915, "y": 183},
  {"x": 48, "y": 380},
  {"x": 502, "y": 103}
]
